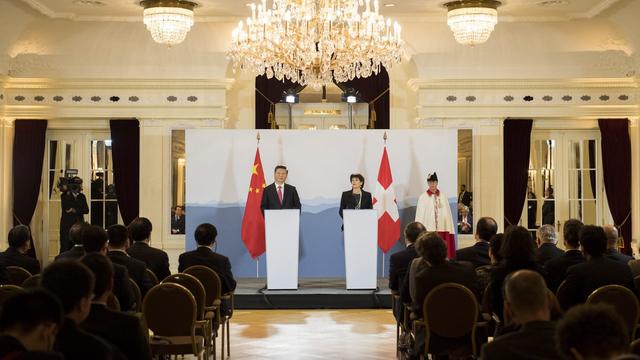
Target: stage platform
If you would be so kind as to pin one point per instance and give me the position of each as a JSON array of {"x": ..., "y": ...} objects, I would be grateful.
[{"x": 311, "y": 294}]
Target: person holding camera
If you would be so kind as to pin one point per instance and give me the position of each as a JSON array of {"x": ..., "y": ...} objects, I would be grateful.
[{"x": 74, "y": 206}]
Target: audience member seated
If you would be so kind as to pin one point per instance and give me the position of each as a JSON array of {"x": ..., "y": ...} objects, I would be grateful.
[
  {"x": 484, "y": 272},
  {"x": 612, "y": 245},
  {"x": 592, "y": 331},
  {"x": 518, "y": 253},
  {"x": 72, "y": 282},
  {"x": 155, "y": 259},
  {"x": 28, "y": 326},
  {"x": 597, "y": 271},
  {"x": 15, "y": 255},
  {"x": 95, "y": 240},
  {"x": 527, "y": 305},
  {"x": 478, "y": 254},
  {"x": 399, "y": 262},
  {"x": 118, "y": 245},
  {"x": 635, "y": 267},
  {"x": 75, "y": 236},
  {"x": 557, "y": 268},
  {"x": 465, "y": 220},
  {"x": 108, "y": 323},
  {"x": 546, "y": 239}
]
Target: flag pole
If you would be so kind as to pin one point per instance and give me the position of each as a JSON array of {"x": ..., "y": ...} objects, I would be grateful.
[
  {"x": 384, "y": 137},
  {"x": 258, "y": 257}
]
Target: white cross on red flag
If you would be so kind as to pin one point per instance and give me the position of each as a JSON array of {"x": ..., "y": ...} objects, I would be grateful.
[{"x": 384, "y": 201}]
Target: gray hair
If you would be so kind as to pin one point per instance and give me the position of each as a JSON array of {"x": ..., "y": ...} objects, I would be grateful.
[{"x": 547, "y": 234}]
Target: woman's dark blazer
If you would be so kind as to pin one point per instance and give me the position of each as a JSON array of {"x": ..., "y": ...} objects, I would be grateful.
[{"x": 346, "y": 201}]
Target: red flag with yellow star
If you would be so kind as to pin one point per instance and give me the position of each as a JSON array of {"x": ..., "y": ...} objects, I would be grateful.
[{"x": 253, "y": 220}]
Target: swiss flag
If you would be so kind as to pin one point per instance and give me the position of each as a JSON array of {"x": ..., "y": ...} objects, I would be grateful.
[
  {"x": 384, "y": 201},
  {"x": 253, "y": 220}
]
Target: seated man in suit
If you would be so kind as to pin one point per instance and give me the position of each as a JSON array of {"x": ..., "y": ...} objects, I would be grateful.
[
  {"x": 279, "y": 195},
  {"x": 155, "y": 259},
  {"x": 597, "y": 271},
  {"x": 557, "y": 268},
  {"x": 95, "y": 240},
  {"x": 177, "y": 220},
  {"x": 118, "y": 245},
  {"x": 108, "y": 323},
  {"x": 75, "y": 236},
  {"x": 399, "y": 262},
  {"x": 612, "y": 245},
  {"x": 526, "y": 304},
  {"x": 19, "y": 244},
  {"x": 546, "y": 239},
  {"x": 72, "y": 282},
  {"x": 478, "y": 254},
  {"x": 28, "y": 326}
]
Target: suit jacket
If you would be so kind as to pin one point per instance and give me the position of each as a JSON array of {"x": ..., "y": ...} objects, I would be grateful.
[
  {"x": 77, "y": 344},
  {"x": 465, "y": 197},
  {"x": 205, "y": 256},
  {"x": 109, "y": 325},
  {"x": 548, "y": 212},
  {"x": 583, "y": 279},
  {"x": 79, "y": 203},
  {"x": 13, "y": 257},
  {"x": 290, "y": 199},
  {"x": 535, "y": 340},
  {"x": 616, "y": 255},
  {"x": 178, "y": 224},
  {"x": 546, "y": 252},
  {"x": 12, "y": 347},
  {"x": 399, "y": 266},
  {"x": 478, "y": 254},
  {"x": 122, "y": 288},
  {"x": 156, "y": 259},
  {"x": 500, "y": 272},
  {"x": 75, "y": 253},
  {"x": 347, "y": 201},
  {"x": 427, "y": 278},
  {"x": 136, "y": 268},
  {"x": 557, "y": 268}
]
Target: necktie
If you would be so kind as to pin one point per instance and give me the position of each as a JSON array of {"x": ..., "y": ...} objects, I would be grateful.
[{"x": 280, "y": 194}]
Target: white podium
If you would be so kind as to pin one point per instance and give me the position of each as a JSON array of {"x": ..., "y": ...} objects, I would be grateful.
[
  {"x": 361, "y": 248},
  {"x": 282, "y": 233}
]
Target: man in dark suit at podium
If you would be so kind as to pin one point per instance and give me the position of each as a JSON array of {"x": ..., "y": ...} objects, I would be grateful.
[{"x": 279, "y": 195}]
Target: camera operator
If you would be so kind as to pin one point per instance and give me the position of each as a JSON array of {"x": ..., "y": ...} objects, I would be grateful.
[{"x": 74, "y": 206}]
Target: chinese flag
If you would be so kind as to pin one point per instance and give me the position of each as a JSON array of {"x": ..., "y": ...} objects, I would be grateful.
[
  {"x": 253, "y": 220},
  {"x": 384, "y": 201}
]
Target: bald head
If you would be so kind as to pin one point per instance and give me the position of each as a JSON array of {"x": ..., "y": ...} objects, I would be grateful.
[
  {"x": 526, "y": 296},
  {"x": 612, "y": 235}
]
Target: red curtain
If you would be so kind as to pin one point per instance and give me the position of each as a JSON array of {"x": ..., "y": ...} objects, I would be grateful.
[
  {"x": 616, "y": 163},
  {"x": 516, "y": 148},
  {"x": 375, "y": 87},
  {"x": 125, "y": 137}
]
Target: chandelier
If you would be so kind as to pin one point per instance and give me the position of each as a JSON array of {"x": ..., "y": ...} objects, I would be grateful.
[
  {"x": 472, "y": 21},
  {"x": 316, "y": 42},
  {"x": 168, "y": 21}
]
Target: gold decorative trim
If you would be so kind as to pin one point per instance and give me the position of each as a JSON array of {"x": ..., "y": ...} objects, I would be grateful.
[
  {"x": 183, "y": 4},
  {"x": 462, "y": 4}
]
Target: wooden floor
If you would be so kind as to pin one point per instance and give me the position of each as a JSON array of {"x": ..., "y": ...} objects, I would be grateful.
[{"x": 312, "y": 334}]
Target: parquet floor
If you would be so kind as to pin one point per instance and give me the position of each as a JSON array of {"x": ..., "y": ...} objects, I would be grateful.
[{"x": 312, "y": 334}]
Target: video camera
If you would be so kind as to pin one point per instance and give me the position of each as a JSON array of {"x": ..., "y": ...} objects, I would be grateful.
[{"x": 70, "y": 182}]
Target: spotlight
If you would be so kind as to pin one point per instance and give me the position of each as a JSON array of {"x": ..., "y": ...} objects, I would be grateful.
[
  {"x": 291, "y": 97},
  {"x": 350, "y": 96}
]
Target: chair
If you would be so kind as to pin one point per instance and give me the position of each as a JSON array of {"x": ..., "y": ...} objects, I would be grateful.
[
  {"x": 623, "y": 300},
  {"x": 636, "y": 280},
  {"x": 17, "y": 275},
  {"x": 136, "y": 294},
  {"x": 32, "y": 282},
  {"x": 562, "y": 295},
  {"x": 152, "y": 276},
  {"x": 213, "y": 289},
  {"x": 113, "y": 303},
  {"x": 7, "y": 290},
  {"x": 170, "y": 311},
  {"x": 194, "y": 285},
  {"x": 438, "y": 319}
]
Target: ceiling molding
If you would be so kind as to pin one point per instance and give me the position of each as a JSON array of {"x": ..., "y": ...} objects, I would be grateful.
[
  {"x": 92, "y": 83},
  {"x": 597, "y": 9},
  {"x": 588, "y": 83}
]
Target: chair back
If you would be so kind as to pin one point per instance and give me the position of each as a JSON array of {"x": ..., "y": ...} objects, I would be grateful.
[
  {"x": 209, "y": 279},
  {"x": 623, "y": 300},
  {"x": 7, "y": 290},
  {"x": 438, "y": 317},
  {"x": 169, "y": 309},
  {"x": 563, "y": 295},
  {"x": 32, "y": 282},
  {"x": 192, "y": 284},
  {"x": 152, "y": 277},
  {"x": 636, "y": 280},
  {"x": 137, "y": 294},
  {"x": 113, "y": 303},
  {"x": 17, "y": 275}
]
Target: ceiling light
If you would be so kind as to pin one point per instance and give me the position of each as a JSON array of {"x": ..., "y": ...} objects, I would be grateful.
[
  {"x": 389, "y": 5},
  {"x": 472, "y": 21},
  {"x": 168, "y": 21}
]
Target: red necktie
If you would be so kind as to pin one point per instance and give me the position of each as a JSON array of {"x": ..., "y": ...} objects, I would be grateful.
[{"x": 280, "y": 194}]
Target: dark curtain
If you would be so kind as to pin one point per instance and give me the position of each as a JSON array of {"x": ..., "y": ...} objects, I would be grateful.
[
  {"x": 375, "y": 87},
  {"x": 592, "y": 165},
  {"x": 125, "y": 137},
  {"x": 28, "y": 156},
  {"x": 616, "y": 163},
  {"x": 516, "y": 149},
  {"x": 53, "y": 152},
  {"x": 272, "y": 89}
]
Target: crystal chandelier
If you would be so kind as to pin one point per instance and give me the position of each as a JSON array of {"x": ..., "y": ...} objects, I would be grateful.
[
  {"x": 472, "y": 21},
  {"x": 168, "y": 21},
  {"x": 314, "y": 42}
]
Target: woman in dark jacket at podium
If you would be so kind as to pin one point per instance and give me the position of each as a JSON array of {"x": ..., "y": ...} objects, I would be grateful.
[{"x": 356, "y": 198}]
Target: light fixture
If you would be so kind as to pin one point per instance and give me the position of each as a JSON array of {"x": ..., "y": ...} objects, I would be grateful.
[
  {"x": 291, "y": 97},
  {"x": 316, "y": 42},
  {"x": 168, "y": 21},
  {"x": 350, "y": 96},
  {"x": 472, "y": 21}
]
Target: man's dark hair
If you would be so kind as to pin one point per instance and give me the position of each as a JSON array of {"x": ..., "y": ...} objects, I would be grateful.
[
  {"x": 431, "y": 247},
  {"x": 596, "y": 331},
  {"x": 75, "y": 232},
  {"x": 526, "y": 292},
  {"x": 102, "y": 270},
  {"x": 206, "y": 234},
  {"x": 357, "y": 176},
  {"x": 140, "y": 229},
  {"x": 486, "y": 228},
  {"x": 18, "y": 236},
  {"x": 571, "y": 232},
  {"x": 413, "y": 230},
  {"x": 69, "y": 280},
  {"x": 495, "y": 244},
  {"x": 25, "y": 310},
  {"x": 593, "y": 240},
  {"x": 517, "y": 244},
  {"x": 118, "y": 235},
  {"x": 280, "y": 167},
  {"x": 94, "y": 238}
]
